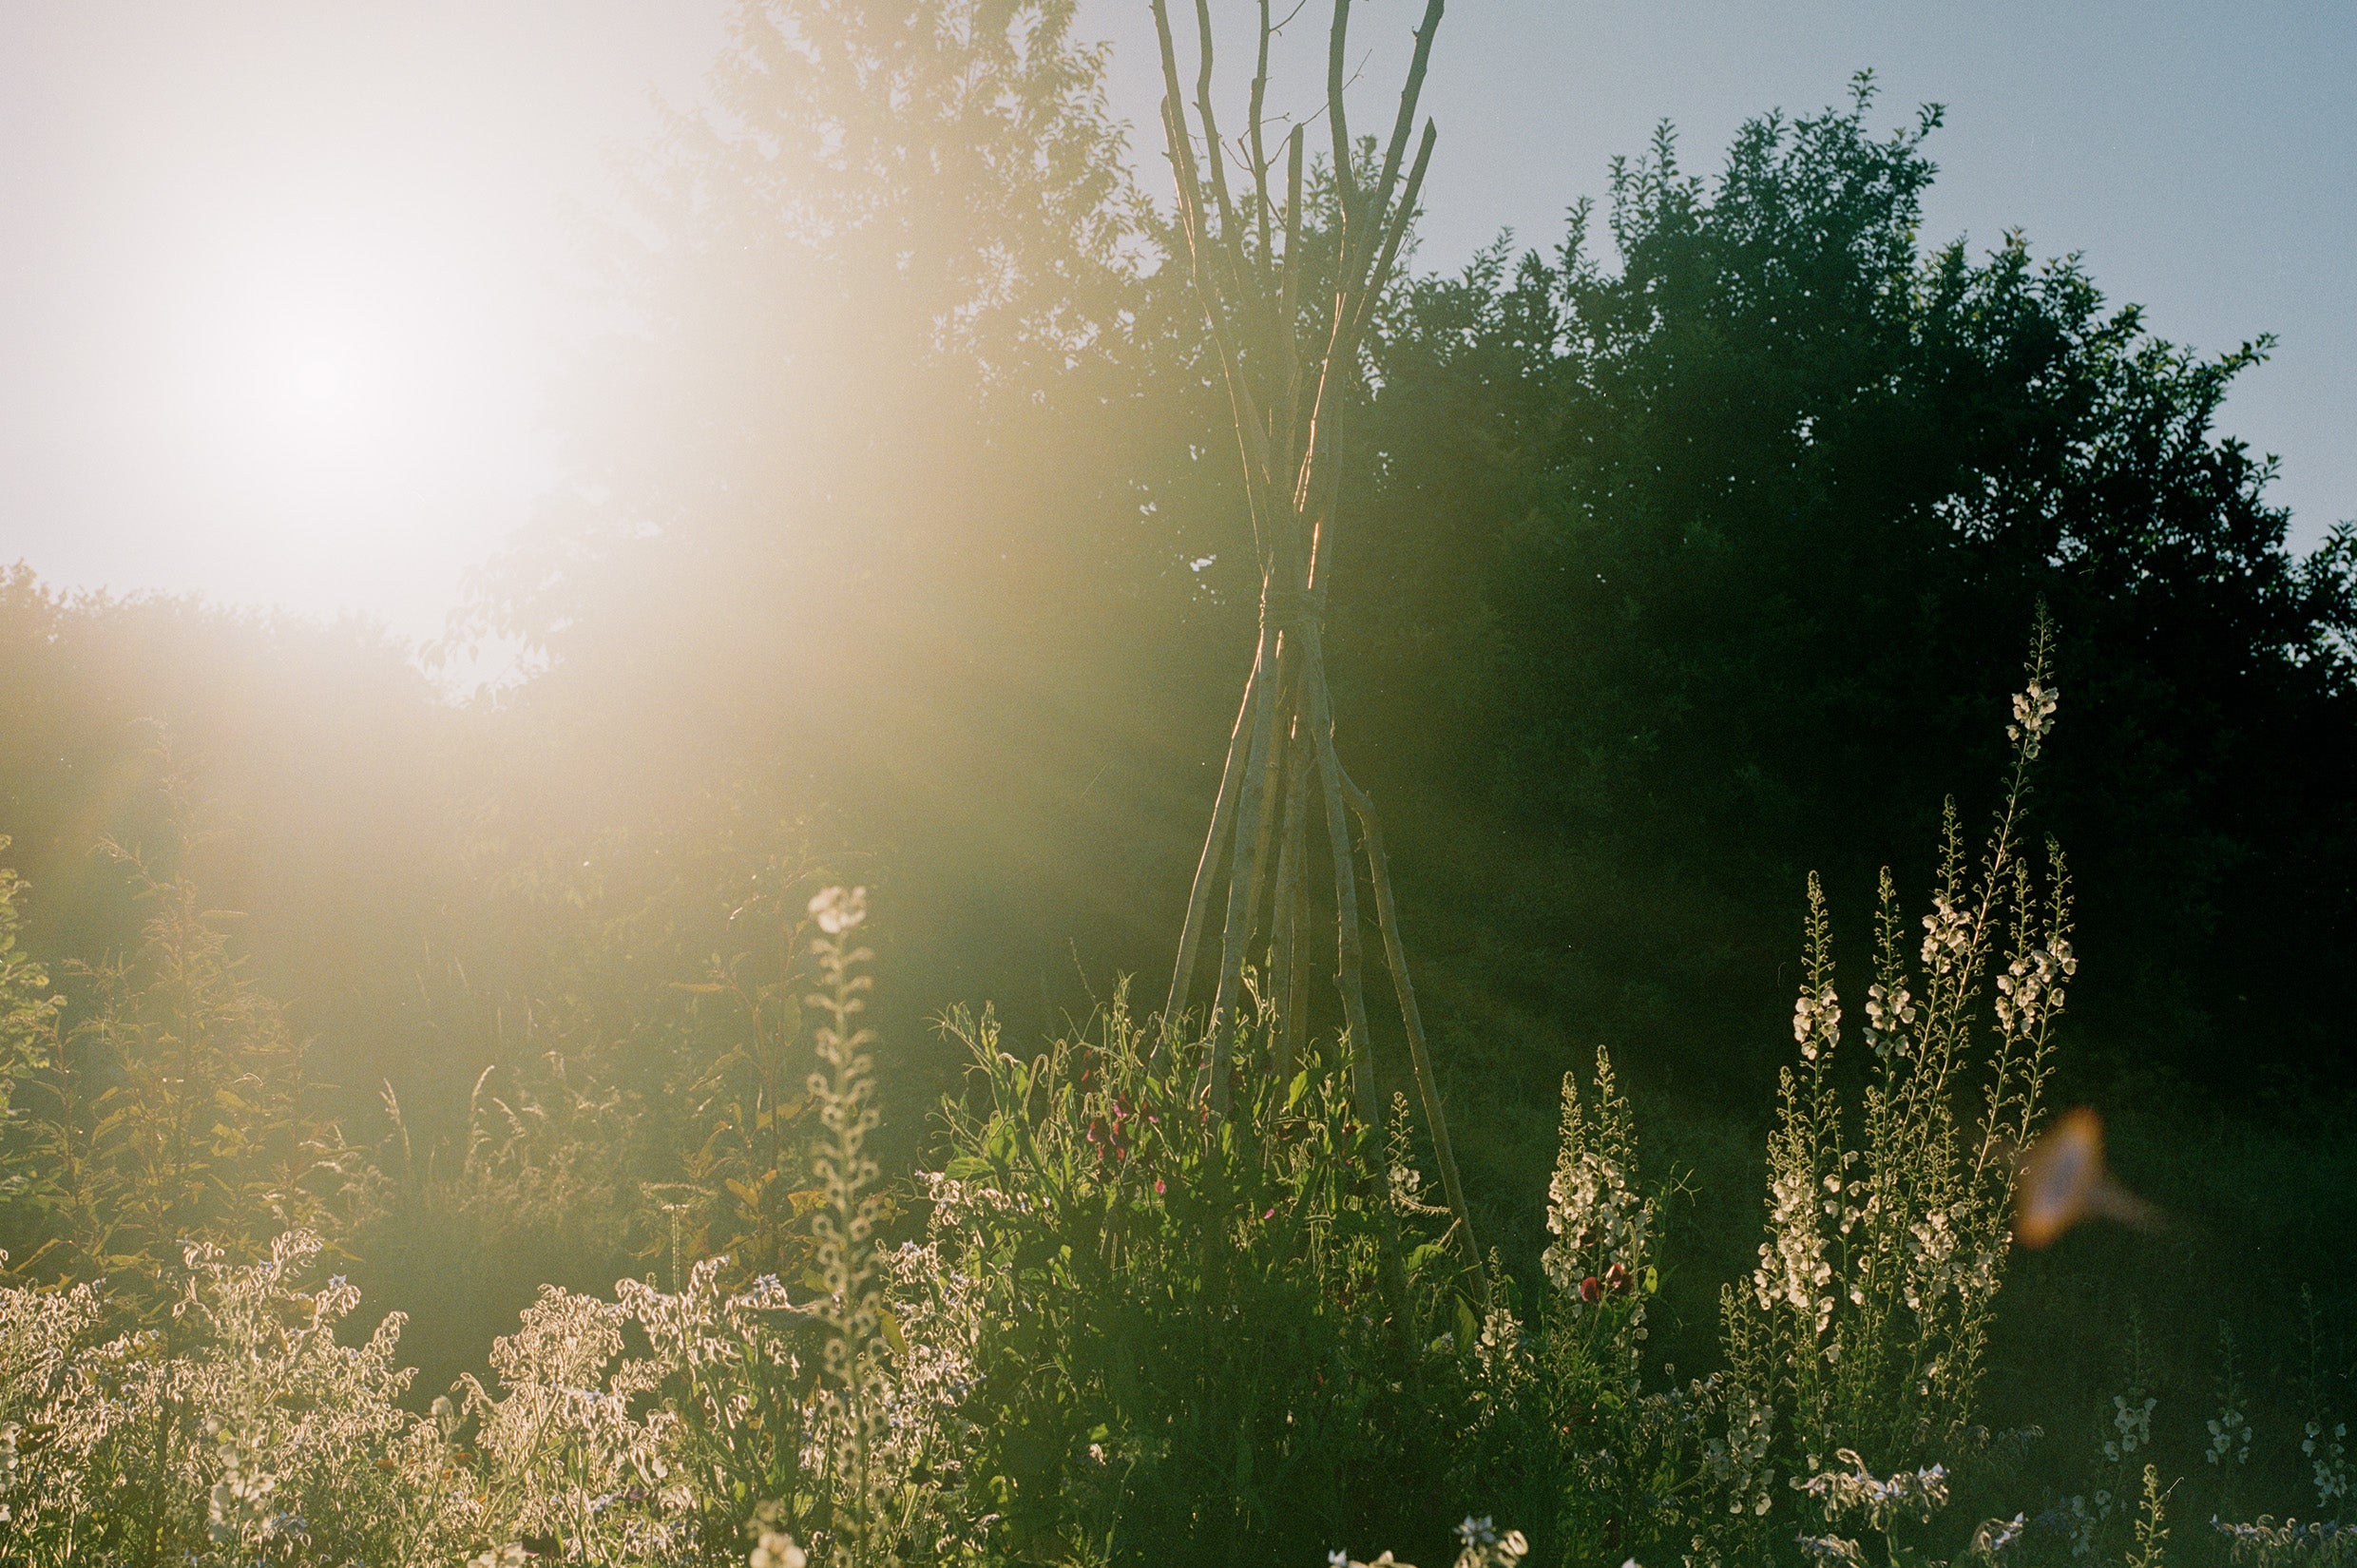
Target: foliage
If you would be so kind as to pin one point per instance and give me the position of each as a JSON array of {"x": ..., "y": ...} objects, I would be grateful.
[
  {"x": 895, "y": 391},
  {"x": 1864, "y": 1327},
  {"x": 1867, "y": 1318},
  {"x": 847, "y": 280},
  {"x": 236, "y": 1430},
  {"x": 1485, "y": 1547},
  {"x": 749, "y": 1113},
  {"x": 2286, "y": 1442},
  {"x": 651, "y": 1108},
  {"x": 28, "y": 1008},
  {"x": 1135, "y": 1329},
  {"x": 649, "y": 1428},
  {"x": 172, "y": 1108},
  {"x": 1622, "y": 1455},
  {"x": 1178, "y": 1337},
  {"x": 1695, "y": 563},
  {"x": 2267, "y": 1541},
  {"x": 1685, "y": 572},
  {"x": 540, "y": 1177}
]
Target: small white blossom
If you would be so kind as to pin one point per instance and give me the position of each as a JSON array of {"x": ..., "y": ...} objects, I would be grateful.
[
  {"x": 2033, "y": 717},
  {"x": 776, "y": 1550},
  {"x": 839, "y": 910}
]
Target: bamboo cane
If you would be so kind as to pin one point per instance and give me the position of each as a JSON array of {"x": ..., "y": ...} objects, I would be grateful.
[{"x": 1288, "y": 306}]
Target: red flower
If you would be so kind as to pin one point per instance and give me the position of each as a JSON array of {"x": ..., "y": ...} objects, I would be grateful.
[
  {"x": 1617, "y": 1280},
  {"x": 1590, "y": 1290}
]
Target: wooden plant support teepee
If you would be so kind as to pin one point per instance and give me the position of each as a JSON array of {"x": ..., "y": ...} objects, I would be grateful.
[{"x": 1288, "y": 396}]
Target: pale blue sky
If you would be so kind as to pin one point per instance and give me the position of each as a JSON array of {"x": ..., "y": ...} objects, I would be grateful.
[{"x": 283, "y": 284}]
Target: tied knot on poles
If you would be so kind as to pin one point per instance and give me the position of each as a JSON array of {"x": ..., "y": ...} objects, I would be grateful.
[{"x": 1293, "y": 611}]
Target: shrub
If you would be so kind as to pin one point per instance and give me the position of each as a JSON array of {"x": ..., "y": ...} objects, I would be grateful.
[
  {"x": 650, "y": 1429},
  {"x": 238, "y": 1431},
  {"x": 170, "y": 1105},
  {"x": 1180, "y": 1341}
]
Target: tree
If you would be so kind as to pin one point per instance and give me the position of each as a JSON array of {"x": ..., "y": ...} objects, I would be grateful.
[
  {"x": 866, "y": 539},
  {"x": 1734, "y": 538}
]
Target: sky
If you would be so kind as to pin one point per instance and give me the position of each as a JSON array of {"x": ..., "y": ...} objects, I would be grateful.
[{"x": 285, "y": 288}]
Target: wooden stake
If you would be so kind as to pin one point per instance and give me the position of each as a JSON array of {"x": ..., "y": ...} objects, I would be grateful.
[
  {"x": 1349, "y": 950},
  {"x": 1288, "y": 975},
  {"x": 1285, "y": 725},
  {"x": 1249, "y": 842},
  {"x": 1395, "y": 953},
  {"x": 1198, "y": 900}
]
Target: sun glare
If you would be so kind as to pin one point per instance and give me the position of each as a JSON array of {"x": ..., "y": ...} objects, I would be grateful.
[
  {"x": 318, "y": 379},
  {"x": 314, "y": 368},
  {"x": 343, "y": 410},
  {"x": 336, "y": 393}
]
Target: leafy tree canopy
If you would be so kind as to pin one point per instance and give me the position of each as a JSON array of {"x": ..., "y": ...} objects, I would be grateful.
[{"x": 1712, "y": 560}]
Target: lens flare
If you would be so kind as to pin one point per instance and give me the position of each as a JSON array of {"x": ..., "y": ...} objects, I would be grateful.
[{"x": 2060, "y": 1181}]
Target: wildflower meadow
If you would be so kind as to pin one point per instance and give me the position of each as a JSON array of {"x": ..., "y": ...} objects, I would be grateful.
[{"x": 1116, "y": 855}]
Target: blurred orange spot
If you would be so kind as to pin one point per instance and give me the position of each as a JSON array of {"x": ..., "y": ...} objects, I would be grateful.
[{"x": 2061, "y": 1181}]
